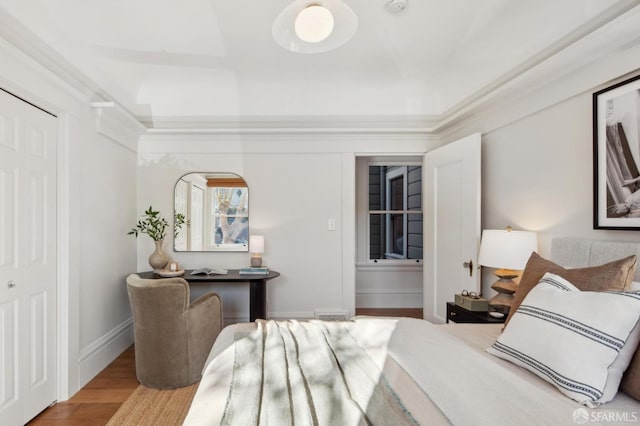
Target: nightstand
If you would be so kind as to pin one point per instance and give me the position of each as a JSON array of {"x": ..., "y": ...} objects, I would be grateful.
[{"x": 459, "y": 314}]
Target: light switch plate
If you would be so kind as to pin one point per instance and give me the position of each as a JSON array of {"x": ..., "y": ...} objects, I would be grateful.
[{"x": 331, "y": 225}]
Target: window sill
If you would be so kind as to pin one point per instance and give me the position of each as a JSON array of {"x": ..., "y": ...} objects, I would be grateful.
[{"x": 389, "y": 266}]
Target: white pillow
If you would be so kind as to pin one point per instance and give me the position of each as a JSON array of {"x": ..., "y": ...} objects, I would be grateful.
[{"x": 579, "y": 341}]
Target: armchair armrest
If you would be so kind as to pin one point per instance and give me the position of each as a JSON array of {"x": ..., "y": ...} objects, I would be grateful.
[{"x": 204, "y": 322}]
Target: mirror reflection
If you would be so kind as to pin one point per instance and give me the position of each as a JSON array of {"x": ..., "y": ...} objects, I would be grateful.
[{"x": 211, "y": 212}]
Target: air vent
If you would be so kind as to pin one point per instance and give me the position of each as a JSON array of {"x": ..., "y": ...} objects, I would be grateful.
[{"x": 331, "y": 315}]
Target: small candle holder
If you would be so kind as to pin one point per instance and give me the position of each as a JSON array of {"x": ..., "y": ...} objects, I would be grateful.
[{"x": 173, "y": 267}]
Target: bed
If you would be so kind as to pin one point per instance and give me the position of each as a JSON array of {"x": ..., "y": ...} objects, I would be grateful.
[{"x": 398, "y": 370}]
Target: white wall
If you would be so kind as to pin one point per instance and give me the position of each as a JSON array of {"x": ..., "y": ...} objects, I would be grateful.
[
  {"x": 537, "y": 162},
  {"x": 104, "y": 178},
  {"x": 296, "y": 184},
  {"x": 389, "y": 287},
  {"x": 96, "y": 204}
]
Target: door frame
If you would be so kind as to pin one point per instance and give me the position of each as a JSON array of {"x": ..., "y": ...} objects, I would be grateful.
[
  {"x": 358, "y": 241},
  {"x": 63, "y": 288}
]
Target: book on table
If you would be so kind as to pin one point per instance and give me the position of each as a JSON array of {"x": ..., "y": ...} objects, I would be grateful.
[
  {"x": 263, "y": 270},
  {"x": 209, "y": 271}
]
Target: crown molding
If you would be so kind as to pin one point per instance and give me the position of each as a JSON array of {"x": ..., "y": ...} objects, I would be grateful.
[
  {"x": 493, "y": 92},
  {"x": 358, "y": 143},
  {"x": 410, "y": 124},
  {"x": 24, "y": 40},
  {"x": 117, "y": 124},
  {"x": 500, "y": 91},
  {"x": 74, "y": 81},
  {"x": 310, "y": 138}
]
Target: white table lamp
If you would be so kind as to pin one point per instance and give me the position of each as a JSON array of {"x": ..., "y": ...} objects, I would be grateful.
[
  {"x": 256, "y": 246},
  {"x": 508, "y": 251}
]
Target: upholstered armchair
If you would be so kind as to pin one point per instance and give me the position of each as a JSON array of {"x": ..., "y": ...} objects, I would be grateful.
[{"x": 172, "y": 336}]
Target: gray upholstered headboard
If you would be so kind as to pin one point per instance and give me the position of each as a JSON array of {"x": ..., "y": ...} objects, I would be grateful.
[{"x": 577, "y": 253}]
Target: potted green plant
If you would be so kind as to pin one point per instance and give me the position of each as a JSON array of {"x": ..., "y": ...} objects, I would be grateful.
[{"x": 155, "y": 226}]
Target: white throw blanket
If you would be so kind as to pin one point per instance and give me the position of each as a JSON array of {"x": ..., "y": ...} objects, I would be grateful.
[
  {"x": 442, "y": 374},
  {"x": 308, "y": 373}
]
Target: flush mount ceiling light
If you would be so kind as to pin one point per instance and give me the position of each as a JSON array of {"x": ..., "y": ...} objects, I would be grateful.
[
  {"x": 307, "y": 26},
  {"x": 314, "y": 23}
]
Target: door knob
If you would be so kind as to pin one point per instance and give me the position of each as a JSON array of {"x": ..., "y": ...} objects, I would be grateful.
[
  {"x": 11, "y": 284},
  {"x": 468, "y": 265}
]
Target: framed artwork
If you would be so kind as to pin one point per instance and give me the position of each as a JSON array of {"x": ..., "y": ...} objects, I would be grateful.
[{"x": 616, "y": 156}]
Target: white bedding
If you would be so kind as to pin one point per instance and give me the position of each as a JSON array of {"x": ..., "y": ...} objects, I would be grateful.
[
  {"x": 310, "y": 373},
  {"x": 442, "y": 375}
]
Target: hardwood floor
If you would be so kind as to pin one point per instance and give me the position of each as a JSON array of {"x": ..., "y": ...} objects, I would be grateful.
[
  {"x": 411, "y": 313},
  {"x": 95, "y": 403}
]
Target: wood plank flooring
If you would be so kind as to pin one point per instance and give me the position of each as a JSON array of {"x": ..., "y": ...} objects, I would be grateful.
[
  {"x": 95, "y": 403},
  {"x": 411, "y": 313}
]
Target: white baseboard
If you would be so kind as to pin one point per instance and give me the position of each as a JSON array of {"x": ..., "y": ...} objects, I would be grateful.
[
  {"x": 101, "y": 352},
  {"x": 302, "y": 315}
]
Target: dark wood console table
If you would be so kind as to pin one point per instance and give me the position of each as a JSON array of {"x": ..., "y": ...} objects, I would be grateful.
[{"x": 257, "y": 286}]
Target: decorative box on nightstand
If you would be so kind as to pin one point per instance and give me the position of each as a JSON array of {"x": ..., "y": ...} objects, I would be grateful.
[{"x": 459, "y": 314}]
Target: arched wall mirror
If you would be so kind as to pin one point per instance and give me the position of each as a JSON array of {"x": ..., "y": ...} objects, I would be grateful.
[{"x": 211, "y": 212}]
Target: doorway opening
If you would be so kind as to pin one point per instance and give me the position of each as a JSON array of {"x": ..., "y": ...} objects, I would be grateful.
[{"x": 389, "y": 232}]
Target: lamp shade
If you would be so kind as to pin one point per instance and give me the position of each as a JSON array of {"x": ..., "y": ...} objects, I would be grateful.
[
  {"x": 256, "y": 244},
  {"x": 507, "y": 249}
]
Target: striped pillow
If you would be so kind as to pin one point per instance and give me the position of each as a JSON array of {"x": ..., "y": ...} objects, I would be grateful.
[{"x": 579, "y": 341}]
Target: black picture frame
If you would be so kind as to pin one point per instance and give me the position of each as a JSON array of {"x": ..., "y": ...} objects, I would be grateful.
[{"x": 616, "y": 156}]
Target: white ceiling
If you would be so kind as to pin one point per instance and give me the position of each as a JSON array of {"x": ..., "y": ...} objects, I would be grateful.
[{"x": 172, "y": 61}]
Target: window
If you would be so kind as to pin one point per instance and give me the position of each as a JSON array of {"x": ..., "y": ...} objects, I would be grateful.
[{"x": 395, "y": 212}]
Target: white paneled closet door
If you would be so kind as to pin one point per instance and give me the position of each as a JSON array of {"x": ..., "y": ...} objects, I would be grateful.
[{"x": 27, "y": 260}]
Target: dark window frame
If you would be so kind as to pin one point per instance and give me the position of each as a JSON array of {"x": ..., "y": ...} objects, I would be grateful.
[{"x": 384, "y": 249}]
